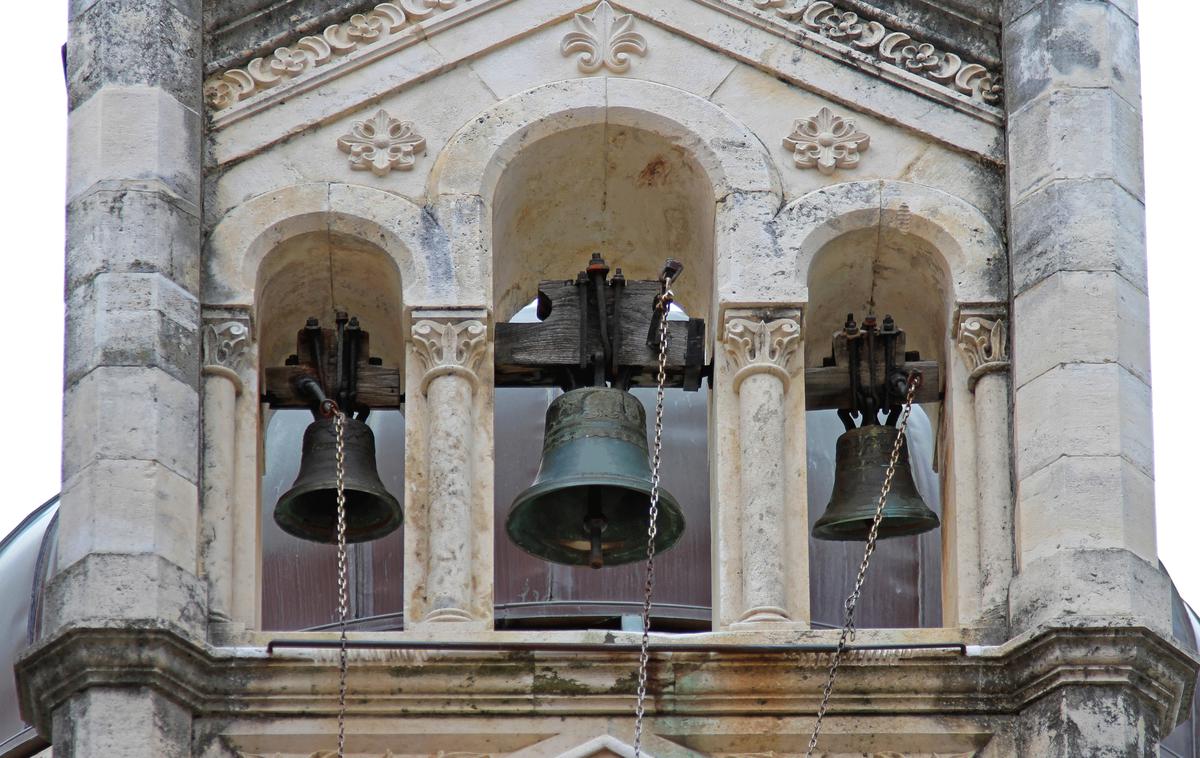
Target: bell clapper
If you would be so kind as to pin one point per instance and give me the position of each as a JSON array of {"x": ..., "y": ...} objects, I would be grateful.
[{"x": 595, "y": 525}]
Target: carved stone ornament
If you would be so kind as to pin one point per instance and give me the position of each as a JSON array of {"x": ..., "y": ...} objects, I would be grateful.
[
  {"x": 450, "y": 348},
  {"x": 375, "y": 27},
  {"x": 826, "y": 142},
  {"x": 606, "y": 40},
  {"x": 890, "y": 47},
  {"x": 983, "y": 341},
  {"x": 225, "y": 344},
  {"x": 757, "y": 345},
  {"x": 381, "y": 143},
  {"x": 888, "y": 754},
  {"x": 385, "y": 754}
]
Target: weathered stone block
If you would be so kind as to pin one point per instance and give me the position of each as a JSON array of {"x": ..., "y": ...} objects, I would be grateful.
[
  {"x": 1079, "y": 503},
  {"x": 1095, "y": 588},
  {"x": 1075, "y": 134},
  {"x": 1015, "y": 9},
  {"x": 1096, "y": 721},
  {"x": 132, "y": 230},
  {"x": 149, "y": 42},
  {"x": 1079, "y": 316},
  {"x": 1082, "y": 409},
  {"x": 128, "y": 507},
  {"x": 1071, "y": 43},
  {"x": 123, "y": 413},
  {"x": 133, "y": 320},
  {"x": 122, "y": 721},
  {"x": 753, "y": 266},
  {"x": 134, "y": 134},
  {"x": 123, "y": 590},
  {"x": 1078, "y": 226}
]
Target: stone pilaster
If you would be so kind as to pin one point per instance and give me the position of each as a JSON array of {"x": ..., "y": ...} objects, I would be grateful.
[
  {"x": 226, "y": 342},
  {"x": 451, "y": 521},
  {"x": 981, "y": 335},
  {"x": 1084, "y": 456},
  {"x": 763, "y": 530}
]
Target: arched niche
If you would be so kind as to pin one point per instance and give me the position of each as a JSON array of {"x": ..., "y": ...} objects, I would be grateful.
[
  {"x": 312, "y": 250},
  {"x": 638, "y": 172},
  {"x": 917, "y": 254}
]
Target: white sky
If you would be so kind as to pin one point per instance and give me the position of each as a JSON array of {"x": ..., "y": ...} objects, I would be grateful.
[{"x": 32, "y": 146}]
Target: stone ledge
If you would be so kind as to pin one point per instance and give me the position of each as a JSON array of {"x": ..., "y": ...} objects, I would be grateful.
[{"x": 227, "y": 682}]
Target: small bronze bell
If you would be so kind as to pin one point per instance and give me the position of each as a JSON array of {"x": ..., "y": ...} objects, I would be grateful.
[
  {"x": 590, "y": 502},
  {"x": 862, "y": 461},
  {"x": 309, "y": 509}
]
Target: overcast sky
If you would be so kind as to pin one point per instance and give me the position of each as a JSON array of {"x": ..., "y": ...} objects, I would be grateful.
[{"x": 33, "y": 149}]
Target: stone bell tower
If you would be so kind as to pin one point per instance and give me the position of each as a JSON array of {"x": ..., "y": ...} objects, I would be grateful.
[{"x": 434, "y": 168}]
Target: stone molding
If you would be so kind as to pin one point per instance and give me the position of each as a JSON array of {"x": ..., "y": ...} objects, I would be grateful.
[
  {"x": 825, "y": 142},
  {"x": 225, "y": 343},
  {"x": 234, "y": 681},
  {"x": 450, "y": 348},
  {"x": 604, "y": 39},
  {"x": 385, "y": 754},
  {"x": 890, "y": 47},
  {"x": 361, "y": 30},
  {"x": 756, "y": 345},
  {"x": 381, "y": 143},
  {"x": 982, "y": 339}
]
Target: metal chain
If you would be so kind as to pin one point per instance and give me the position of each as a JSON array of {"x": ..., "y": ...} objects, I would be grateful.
[
  {"x": 914, "y": 381},
  {"x": 339, "y": 425},
  {"x": 665, "y": 301}
]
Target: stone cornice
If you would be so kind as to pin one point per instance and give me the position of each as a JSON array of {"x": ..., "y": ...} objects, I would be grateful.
[
  {"x": 341, "y": 48},
  {"x": 229, "y": 681}
]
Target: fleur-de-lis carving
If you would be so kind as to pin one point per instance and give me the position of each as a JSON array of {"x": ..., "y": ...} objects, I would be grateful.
[
  {"x": 826, "y": 142},
  {"x": 381, "y": 143},
  {"x": 606, "y": 40}
]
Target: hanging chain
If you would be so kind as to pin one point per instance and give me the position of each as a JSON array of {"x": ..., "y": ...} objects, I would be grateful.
[
  {"x": 339, "y": 425},
  {"x": 914, "y": 382},
  {"x": 664, "y": 304}
]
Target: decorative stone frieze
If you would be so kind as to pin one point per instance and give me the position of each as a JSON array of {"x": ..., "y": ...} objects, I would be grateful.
[
  {"x": 605, "y": 39},
  {"x": 890, "y": 47},
  {"x": 760, "y": 346},
  {"x": 381, "y": 143},
  {"x": 453, "y": 348},
  {"x": 983, "y": 342},
  {"x": 362, "y": 30},
  {"x": 826, "y": 142}
]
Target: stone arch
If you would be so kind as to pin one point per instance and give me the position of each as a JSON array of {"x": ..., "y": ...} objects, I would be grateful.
[{"x": 738, "y": 166}]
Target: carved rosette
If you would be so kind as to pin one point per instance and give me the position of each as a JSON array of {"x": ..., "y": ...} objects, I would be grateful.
[
  {"x": 381, "y": 143},
  {"x": 983, "y": 342},
  {"x": 826, "y": 142},
  {"x": 605, "y": 38},
  {"x": 225, "y": 344},
  {"x": 761, "y": 346},
  {"x": 450, "y": 348}
]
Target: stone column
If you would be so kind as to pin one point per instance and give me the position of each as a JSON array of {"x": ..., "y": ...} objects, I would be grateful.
[
  {"x": 450, "y": 354},
  {"x": 225, "y": 345},
  {"x": 1085, "y": 539},
  {"x": 982, "y": 339},
  {"x": 766, "y": 355}
]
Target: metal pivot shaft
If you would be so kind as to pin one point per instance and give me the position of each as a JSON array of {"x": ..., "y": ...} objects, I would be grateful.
[
  {"x": 914, "y": 382},
  {"x": 664, "y": 305}
]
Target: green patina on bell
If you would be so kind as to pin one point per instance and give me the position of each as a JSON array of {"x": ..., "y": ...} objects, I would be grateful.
[
  {"x": 862, "y": 461},
  {"x": 309, "y": 509},
  {"x": 590, "y": 502}
]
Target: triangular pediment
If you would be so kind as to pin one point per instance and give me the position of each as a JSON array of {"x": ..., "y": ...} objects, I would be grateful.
[{"x": 344, "y": 67}]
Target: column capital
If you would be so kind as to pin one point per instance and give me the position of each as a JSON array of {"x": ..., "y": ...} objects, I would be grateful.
[
  {"x": 761, "y": 344},
  {"x": 226, "y": 338},
  {"x": 454, "y": 346},
  {"x": 981, "y": 334}
]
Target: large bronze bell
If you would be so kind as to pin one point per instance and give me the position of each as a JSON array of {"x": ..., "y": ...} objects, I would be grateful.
[
  {"x": 862, "y": 461},
  {"x": 309, "y": 509},
  {"x": 590, "y": 502}
]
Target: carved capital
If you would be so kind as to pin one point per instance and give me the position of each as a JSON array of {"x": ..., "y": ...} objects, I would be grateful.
[
  {"x": 983, "y": 342},
  {"x": 226, "y": 342},
  {"x": 756, "y": 345},
  {"x": 450, "y": 348}
]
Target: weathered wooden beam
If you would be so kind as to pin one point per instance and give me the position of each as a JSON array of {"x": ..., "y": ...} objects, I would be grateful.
[
  {"x": 829, "y": 387},
  {"x": 378, "y": 387}
]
